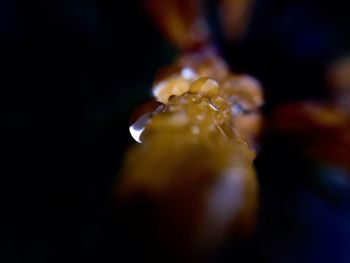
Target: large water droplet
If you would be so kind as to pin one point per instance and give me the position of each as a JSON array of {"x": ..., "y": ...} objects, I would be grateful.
[{"x": 142, "y": 116}]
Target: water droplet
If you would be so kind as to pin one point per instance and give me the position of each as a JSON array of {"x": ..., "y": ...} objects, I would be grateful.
[
  {"x": 141, "y": 117},
  {"x": 217, "y": 103},
  {"x": 139, "y": 126}
]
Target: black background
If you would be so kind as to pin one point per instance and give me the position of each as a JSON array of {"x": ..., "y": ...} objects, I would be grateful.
[{"x": 73, "y": 71}]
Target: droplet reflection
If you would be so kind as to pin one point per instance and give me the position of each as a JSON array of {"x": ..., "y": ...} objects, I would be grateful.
[{"x": 141, "y": 117}]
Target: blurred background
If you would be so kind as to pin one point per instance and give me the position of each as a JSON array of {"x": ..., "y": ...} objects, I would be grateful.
[{"x": 73, "y": 71}]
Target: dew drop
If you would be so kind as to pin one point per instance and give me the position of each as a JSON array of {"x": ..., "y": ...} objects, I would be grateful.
[
  {"x": 139, "y": 126},
  {"x": 217, "y": 103},
  {"x": 142, "y": 116}
]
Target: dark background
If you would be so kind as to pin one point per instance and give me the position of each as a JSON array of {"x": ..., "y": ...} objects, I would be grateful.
[{"x": 73, "y": 71}]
